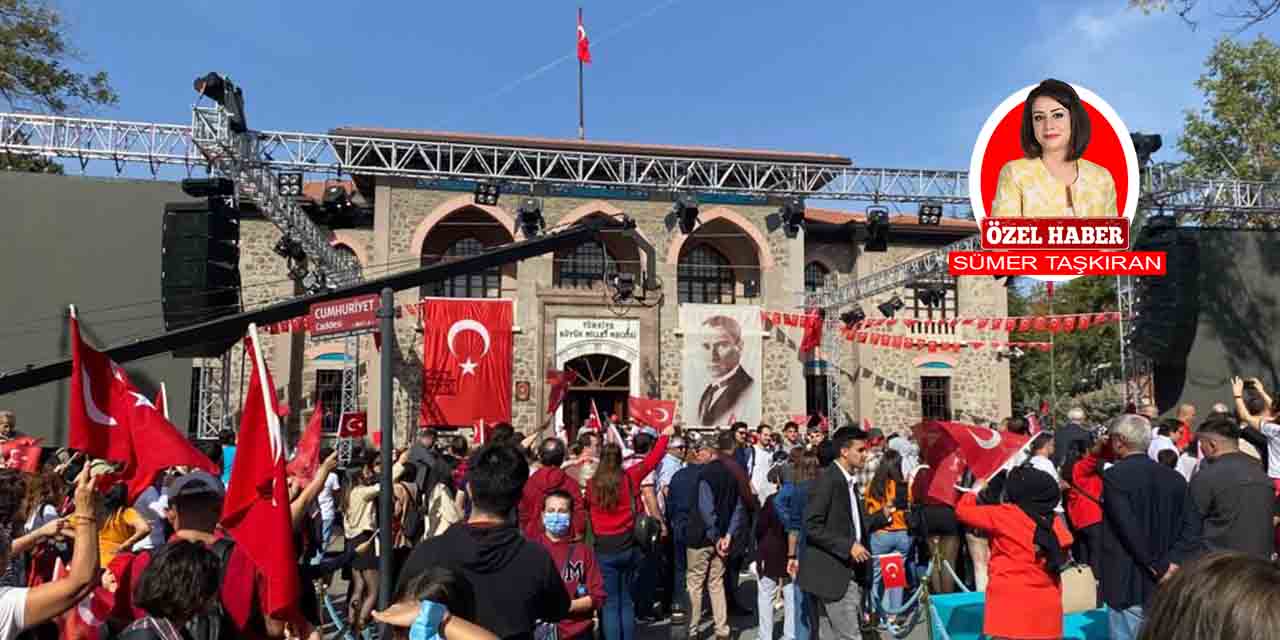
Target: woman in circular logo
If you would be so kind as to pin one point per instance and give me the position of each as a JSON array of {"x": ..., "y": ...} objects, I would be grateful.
[{"x": 1052, "y": 180}]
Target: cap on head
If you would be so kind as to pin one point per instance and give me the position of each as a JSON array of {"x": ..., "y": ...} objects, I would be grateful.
[{"x": 195, "y": 483}]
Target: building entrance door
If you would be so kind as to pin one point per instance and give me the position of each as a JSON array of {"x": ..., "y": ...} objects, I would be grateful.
[{"x": 603, "y": 380}]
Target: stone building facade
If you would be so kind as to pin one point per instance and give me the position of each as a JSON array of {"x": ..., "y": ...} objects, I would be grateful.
[{"x": 737, "y": 254}]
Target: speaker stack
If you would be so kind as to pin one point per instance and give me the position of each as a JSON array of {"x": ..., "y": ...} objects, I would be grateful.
[
  {"x": 200, "y": 268},
  {"x": 1167, "y": 308}
]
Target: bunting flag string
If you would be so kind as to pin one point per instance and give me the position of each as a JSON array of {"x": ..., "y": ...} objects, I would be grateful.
[
  {"x": 1053, "y": 323},
  {"x": 911, "y": 343}
]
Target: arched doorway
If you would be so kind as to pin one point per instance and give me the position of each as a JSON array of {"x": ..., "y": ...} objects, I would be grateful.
[{"x": 604, "y": 380}]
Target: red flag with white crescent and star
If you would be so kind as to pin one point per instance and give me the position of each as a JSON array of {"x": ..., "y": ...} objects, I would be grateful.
[
  {"x": 22, "y": 454},
  {"x": 97, "y": 402},
  {"x": 584, "y": 44},
  {"x": 354, "y": 424},
  {"x": 651, "y": 411},
  {"x": 466, "y": 361},
  {"x": 891, "y": 568},
  {"x": 985, "y": 451},
  {"x": 560, "y": 382}
]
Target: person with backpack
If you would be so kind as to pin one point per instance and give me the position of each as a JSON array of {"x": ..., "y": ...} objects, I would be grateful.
[
  {"x": 174, "y": 588},
  {"x": 576, "y": 562}
]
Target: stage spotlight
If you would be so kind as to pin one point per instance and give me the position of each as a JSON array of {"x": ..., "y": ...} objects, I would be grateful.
[
  {"x": 1144, "y": 145},
  {"x": 891, "y": 307},
  {"x": 289, "y": 249},
  {"x": 289, "y": 184},
  {"x": 529, "y": 217},
  {"x": 624, "y": 285},
  {"x": 335, "y": 197},
  {"x": 930, "y": 214},
  {"x": 208, "y": 187},
  {"x": 487, "y": 193},
  {"x": 877, "y": 229},
  {"x": 932, "y": 297},
  {"x": 792, "y": 214},
  {"x": 224, "y": 92},
  {"x": 852, "y": 317},
  {"x": 685, "y": 208}
]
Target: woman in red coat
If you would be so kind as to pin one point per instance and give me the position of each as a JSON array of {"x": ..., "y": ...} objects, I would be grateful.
[{"x": 1024, "y": 594}]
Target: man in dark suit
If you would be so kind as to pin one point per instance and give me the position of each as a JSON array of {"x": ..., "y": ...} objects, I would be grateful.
[
  {"x": 730, "y": 384},
  {"x": 1072, "y": 436},
  {"x": 1148, "y": 525},
  {"x": 834, "y": 565}
]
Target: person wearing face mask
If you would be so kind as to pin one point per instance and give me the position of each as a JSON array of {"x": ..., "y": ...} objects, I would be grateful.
[{"x": 576, "y": 563}]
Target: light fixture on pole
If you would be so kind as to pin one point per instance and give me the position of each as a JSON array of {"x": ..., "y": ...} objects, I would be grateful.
[
  {"x": 930, "y": 214},
  {"x": 852, "y": 317},
  {"x": 529, "y": 217},
  {"x": 289, "y": 184},
  {"x": 486, "y": 193},
  {"x": 877, "y": 229},
  {"x": 891, "y": 306},
  {"x": 1144, "y": 145},
  {"x": 685, "y": 208},
  {"x": 792, "y": 214}
]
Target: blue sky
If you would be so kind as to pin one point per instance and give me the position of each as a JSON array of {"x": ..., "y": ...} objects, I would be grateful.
[{"x": 884, "y": 83}]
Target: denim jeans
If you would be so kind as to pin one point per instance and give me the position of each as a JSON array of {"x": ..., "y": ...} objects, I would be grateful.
[
  {"x": 799, "y": 621},
  {"x": 620, "y": 571},
  {"x": 766, "y": 589},
  {"x": 1124, "y": 623},
  {"x": 883, "y": 542}
]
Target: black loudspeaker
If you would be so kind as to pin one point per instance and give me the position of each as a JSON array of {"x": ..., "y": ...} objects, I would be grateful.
[
  {"x": 1166, "y": 308},
  {"x": 199, "y": 268}
]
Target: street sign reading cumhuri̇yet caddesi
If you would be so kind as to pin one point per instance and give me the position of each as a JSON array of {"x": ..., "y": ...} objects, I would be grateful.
[{"x": 345, "y": 317}]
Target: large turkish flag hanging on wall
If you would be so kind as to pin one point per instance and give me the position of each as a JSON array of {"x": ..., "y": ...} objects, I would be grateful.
[{"x": 466, "y": 360}]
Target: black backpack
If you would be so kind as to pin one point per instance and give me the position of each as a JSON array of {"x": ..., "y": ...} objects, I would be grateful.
[{"x": 215, "y": 624}]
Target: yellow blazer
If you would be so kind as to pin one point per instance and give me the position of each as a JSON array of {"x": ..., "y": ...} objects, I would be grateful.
[{"x": 1027, "y": 189}]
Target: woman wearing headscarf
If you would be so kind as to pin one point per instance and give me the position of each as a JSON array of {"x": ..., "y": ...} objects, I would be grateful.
[{"x": 1024, "y": 593}]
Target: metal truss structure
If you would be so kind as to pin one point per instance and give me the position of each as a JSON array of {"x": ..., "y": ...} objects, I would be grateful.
[
  {"x": 213, "y": 397},
  {"x": 350, "y": 394}
]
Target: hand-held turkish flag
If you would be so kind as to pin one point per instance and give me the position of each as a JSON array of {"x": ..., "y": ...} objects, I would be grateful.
[
  {"x": 22, "y": 454},
  {"x": 938, "y": 451},
  {"x": 984, "y": 450},
  {"x": 651, "y": 411},
  {"x": 560, "y": 382},
  {"x": 893, "y": 573},
  {"x": 354, "y": 424},
  {"x": 160, "y": 445},
  {"x": 256, "y": 509},
  {"x": 593, "y": 421},
  {"x": 307, "y": 459},
  {"x": 584, "y": 44},
  {"x": 96, "y": 385},
  {"x": 467, "y": 361}
]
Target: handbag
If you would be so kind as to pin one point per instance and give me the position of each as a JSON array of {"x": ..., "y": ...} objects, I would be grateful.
[
  {"x": 1079, "y": 589},
  {"x": 647, "y": 531}
]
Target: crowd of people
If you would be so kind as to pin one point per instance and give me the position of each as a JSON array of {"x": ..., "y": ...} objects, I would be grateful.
[{"x": 535, "y": 537}]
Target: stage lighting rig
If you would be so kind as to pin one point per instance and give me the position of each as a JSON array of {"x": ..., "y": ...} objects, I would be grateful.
[
  {"x": 685, "y": 208},
  {"x": 289, "y": 248},
  {"x": 932, "y": 296},
  {"x": 891, "y": 306},
  {"x": 852, "y": 317},
  {"x": 877, "y": 229},
  {"x": 930, "y": 214},
  {"x": 487, "y": 193},
  {"x": 529, "y": 217},
  {"x": 208, "y": 187},
  {"x": 289, "y": 184},
  {"x": 792, "y": 214},
  {"x": 623, "y": 284},
  {"x": 224, "y": 92},
  {"x": 1145, "y": 145}
]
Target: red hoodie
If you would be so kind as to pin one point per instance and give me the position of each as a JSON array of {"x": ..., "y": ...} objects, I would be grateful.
[
  {"x": 1083, "y": 511},
  {"x": 542, "y": 482},
  {"x": 577, "y": 565}
]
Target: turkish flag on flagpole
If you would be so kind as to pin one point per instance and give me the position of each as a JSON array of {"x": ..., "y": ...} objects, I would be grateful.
[
  {"x": 942, "y": 461},
  {"x": 96, "y": 398},
  {"x": 651, "y": 411},
  {"x": 256, "y": 509},
  {"x": 467, "y": 361},
  {"x": 893, "y": 574},
  {"x": 584, "y": 44},
  {"x": 160, "y": 446},
  {"x": 560, "y": 382},
  {"x": 307, "y": 459},
  {"x": 162, "y": 401}
]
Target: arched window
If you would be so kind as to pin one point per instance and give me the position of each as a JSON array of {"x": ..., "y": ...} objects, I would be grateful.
[
  {"x": 584, "y": 265},
  {"x": 815, "y": 276},
  {"x": 704, "y": 276},
  {"x": 485, "y": 284}
]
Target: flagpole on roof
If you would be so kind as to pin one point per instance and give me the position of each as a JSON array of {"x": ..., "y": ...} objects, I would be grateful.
[{"x": 582, "y": 130}]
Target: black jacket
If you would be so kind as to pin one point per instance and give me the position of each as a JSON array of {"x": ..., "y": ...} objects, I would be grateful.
[
  {"x": 1234, "y": 499},
  {"x": 1065, "y": 438},
  {"x": 515, "y": 582},
  {"x": 1148, "y": 522},
  {"x": 826, "y": 569},
  {"x": 735, "y": 388}
]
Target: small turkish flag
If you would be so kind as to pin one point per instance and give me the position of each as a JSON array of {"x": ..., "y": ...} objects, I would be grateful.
[
  {"x": 353, "y": 425},
  {"x": 22, "y": 454},
  {"x": 560, "y": 382},
  {"x": 651, "y": 411},
  {"x": 893, "y": 572},
  {"x": 812, "y": 332},
  {"x": 584, "y": 44},
  {"x": 307, "y": 459}
]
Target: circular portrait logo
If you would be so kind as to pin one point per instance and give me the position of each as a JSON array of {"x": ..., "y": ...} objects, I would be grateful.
[{"x": 1053, "y": 150}]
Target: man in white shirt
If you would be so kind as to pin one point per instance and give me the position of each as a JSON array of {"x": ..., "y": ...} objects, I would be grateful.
[
  {"x": 1166, "y": 435},
  {"x": 325, "y": 500}
]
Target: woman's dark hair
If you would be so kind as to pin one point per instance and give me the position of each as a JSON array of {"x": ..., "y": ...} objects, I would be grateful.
[
  {"x": 13, "y": 493},
  {"x": 443, "y": 586},
  {"x": 1169, "y": 426},
  {"x": 890, "y": 469},
  {"x": 608, "y": 476},
  {"x": 458, "y": 446},
  {"x": 1063, "y": 94},
  {"x": 1017, "y": 424},
  {"x": 46, "y": 488},
  {"x": 1168, "y": 458},
  {"x": 804, "y": 465},
  {"x": 1220, "y": 595},
  {"x": 116, "y": 498},
  {"x": 227, "y": 437},
  {"x": 180, "y": 580},
  {"x": 1039, "y": 442}
]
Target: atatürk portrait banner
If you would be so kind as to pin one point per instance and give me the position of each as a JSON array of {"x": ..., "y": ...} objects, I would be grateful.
[{"x": 721, "y": 369}]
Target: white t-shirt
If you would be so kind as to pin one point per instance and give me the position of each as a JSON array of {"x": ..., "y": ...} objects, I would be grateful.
[
  {"x": 1272, "y": 431},
  {"x": 325, "y": 499},
  {"x": 13, "y": 606},
  {"x": 1158, "y": 444},
  {"x": 142, "y": 505},
  {"x": 40, "y": 517}
]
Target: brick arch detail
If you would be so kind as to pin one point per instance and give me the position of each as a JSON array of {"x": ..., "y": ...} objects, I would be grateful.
[
  {"x": 763, "y": 254},
  {"x": 593, "y": 207},
  {"x": 350, "y": 241},
  {"x": 453, "y": 205}
]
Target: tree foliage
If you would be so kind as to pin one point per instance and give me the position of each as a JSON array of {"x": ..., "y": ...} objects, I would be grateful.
[
  {"x": 37, "y": 72},
  {"x": 1245, "y": 13},
  {"x": 1236, "y": 133},
  {"x": 1081, "y": 362}
]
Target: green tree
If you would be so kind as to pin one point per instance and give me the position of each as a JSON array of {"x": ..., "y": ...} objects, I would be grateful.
[
  {"x": 1236, "y": 133},
  {"x": 1245, "y": 13},
  {"x": 37, "y": 74}
]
